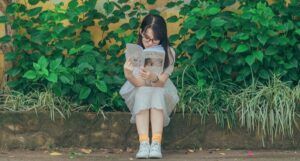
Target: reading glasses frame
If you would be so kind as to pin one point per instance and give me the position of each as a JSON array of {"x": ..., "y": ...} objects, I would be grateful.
[{"x": 148, "y": 40}]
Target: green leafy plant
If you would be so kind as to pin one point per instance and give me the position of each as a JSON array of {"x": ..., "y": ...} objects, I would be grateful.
[
  {"x": 253, "y": 41},
  {"x": 54, "y": 48},
  {"x": 196, "y": 96}
]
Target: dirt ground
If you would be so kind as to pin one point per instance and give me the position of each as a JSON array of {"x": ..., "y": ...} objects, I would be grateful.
[{"x": 128, "y": 155}]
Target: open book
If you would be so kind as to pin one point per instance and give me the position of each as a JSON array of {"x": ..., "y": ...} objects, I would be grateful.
[{"x": 150, "y": 58}]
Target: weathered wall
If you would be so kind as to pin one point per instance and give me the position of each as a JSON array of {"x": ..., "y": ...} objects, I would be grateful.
[{"x": 31, "y": 131}]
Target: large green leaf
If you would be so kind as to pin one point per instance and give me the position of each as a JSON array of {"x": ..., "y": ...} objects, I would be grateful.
[
  {"x": 3, "y": 19},
  {"x": 200, "y": 34},
  {"x": 250, "y": 59},
  {"x": 241, "y": 36},
  {"x": 196, "y": 11},
  {"x": 14, "y": 71},
  {"x": 5, "y": 39},
  {"x": 43, "y": 62},
  {"x": 109, "y": 7},
  {"x": 133, "y": 23},
  {"x": 52, "y": 77},
  {"x": 171, "y": 4},
  {"x": 228, "y": 2},
  {"x": 15, "y": 8},
  {"x": 217, "y": 22},
  {"x": 33, "y": 2},
  {"x": 36, "y": 66},
  {"x": 34, "y": 11},
  {"x": 154, "y": 12},
  {"x": 66, "y": 79},
  {"x": 259, "y": 55},
  {"x": 190, "y": 22},
  {"x": 83, "y": 66},
  {"x": 262, "y": 39},
  {"x": 86, "y": 48},
  {"x": 201, "y": 83},
  {"x": 272, "y": 50},
  {"x": 174, "y": 38},
  {"x": 101, "y": 85},
  {"x": 30, "y": 74},
  {"x": 172, "y": 19},
  {"x": 297, "y": 31},
  {"x": 212, "y": 43},
  {"x": 228, "y": 69},
  {"x": 213, "y": 10},
  {"x": 10, "y": 56},
  {"x": 225, "y": 45},
  {"x": 73, "y": 4},
  {"x": 264, "y": 74},
  {"x": 242, "y": 48},
  {"x": 55, "y": 64},
  {"x": 14, "y": 84},
  {"x": 84, "y": 92},
  {"x": 151, "y": 1}
]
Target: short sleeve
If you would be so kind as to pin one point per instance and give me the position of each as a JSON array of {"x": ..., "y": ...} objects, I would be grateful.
[{"x": 172, "y": 57}]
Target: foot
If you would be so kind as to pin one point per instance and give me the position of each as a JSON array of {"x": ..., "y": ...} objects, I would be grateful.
[
  {"x": 155, "y": 150},
  {"x": 144, "y": 150}
]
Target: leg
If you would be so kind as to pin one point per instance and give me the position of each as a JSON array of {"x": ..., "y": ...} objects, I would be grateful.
[
  {"x": 157, "y": 120},
  {"x": 142, "y": 124}
]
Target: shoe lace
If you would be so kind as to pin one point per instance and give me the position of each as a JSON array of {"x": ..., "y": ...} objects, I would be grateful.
[
  {"x": 155, "y": 146},
  {"x": 144, "y": 147}
]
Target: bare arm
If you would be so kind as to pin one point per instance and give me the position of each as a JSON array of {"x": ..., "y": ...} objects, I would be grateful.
[{"x": 156, "y": 80}]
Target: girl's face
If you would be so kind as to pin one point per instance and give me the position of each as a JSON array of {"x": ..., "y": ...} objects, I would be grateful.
[{"x": 148, "y": 38}]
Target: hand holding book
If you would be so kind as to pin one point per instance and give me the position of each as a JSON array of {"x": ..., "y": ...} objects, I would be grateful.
[
  {"x": 138, "y": 81},
  {"x": 128, "y": 67},
  {"x": 148, "y": 75}
]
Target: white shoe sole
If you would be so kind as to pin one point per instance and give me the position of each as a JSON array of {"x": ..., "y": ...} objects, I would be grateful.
[
  {"x": 141, "y": 157},
  {"x": 155, "y": 157}
]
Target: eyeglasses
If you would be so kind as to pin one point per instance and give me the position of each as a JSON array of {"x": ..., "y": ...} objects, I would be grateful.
[{"x": 148, "y": 40}]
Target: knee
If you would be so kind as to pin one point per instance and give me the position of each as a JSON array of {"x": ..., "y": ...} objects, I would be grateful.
[
  {"x": 143, "y": 112},
  {"x": 154, "y": 110}
]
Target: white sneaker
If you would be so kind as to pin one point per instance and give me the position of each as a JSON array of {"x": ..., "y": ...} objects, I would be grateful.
[
  {"x": 144, "y": 150},
  {"x": 155, "y": 150}
]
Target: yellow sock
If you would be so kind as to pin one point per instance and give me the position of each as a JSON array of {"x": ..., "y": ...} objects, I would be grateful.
[
  {"x": 144, "y": 137},
  {"x": 157, "y": 137}
]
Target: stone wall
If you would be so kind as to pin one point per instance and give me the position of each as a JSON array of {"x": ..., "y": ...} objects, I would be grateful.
[{"x": 37, "y": 131}]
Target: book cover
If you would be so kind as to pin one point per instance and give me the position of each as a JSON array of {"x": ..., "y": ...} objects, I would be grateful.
[
  {"x": 150, "y": 58},
  {"x": 134, "y": 52}
]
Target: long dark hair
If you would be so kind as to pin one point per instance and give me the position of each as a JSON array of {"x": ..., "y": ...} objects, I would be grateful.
[{"x": 159, "y": 27}]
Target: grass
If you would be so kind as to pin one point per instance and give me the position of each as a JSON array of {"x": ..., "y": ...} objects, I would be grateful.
[
  {"x": 204, "y": 99},
  {"x": 268, "y": 109},
  {"x": 38, "y": 101}
]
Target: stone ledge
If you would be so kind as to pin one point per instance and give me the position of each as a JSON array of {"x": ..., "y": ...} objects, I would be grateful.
[{"x": 36, "y": 131}]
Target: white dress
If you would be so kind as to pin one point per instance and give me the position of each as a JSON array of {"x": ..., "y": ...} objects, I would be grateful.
[{"x": 145, "y": 97}]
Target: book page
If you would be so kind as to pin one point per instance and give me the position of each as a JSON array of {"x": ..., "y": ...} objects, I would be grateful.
[
  {"x": 154, "y": 61},
  {"x": 134, "y": 52}
]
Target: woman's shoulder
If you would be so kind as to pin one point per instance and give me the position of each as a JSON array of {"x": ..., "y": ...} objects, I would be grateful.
[{"x": 172, "y": 51}]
